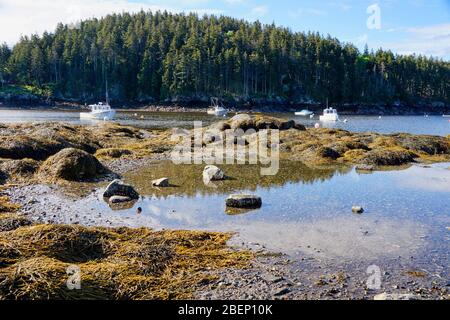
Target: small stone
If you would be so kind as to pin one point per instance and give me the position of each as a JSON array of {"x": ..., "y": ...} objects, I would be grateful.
[
  {"x": 282, "y": 292},
  {"x": 163, "y": 182},
  {"x": 244, "y": 201},
  {"x": 357, "y": 209},
  {"x": 395, "y": 296},
  {"x": 213, "y": 173},
  {"x": 119, "y": 199}
]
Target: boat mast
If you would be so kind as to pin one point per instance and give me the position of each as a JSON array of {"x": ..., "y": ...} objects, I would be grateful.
[{"x": 107, "y": 96}]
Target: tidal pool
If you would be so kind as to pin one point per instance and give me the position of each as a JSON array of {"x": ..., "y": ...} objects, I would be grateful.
[{"x": 305, "y": 210}]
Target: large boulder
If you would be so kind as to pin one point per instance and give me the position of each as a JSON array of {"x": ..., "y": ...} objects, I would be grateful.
[
  {"x": 244, "y": 201},
  {"x": 72, "y": 165},
  {"x": 118, "y": 188},
  {"x": 213, "y": 173}
]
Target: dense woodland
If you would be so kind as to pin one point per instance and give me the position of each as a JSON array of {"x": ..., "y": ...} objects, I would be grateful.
[{"x": 157, "y": 56}]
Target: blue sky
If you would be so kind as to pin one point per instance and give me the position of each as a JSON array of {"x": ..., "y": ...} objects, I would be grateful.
[{"x": 406, "y": 26}]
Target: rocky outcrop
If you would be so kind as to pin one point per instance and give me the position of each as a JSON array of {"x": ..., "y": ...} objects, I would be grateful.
[
  {"x": 71, "y": 165},
  {"x": 431, "y": 145},
  {"x": 118, "y": 188},
  {"x": 257, "y": 122},
  {"x": 388, "y": 157}
]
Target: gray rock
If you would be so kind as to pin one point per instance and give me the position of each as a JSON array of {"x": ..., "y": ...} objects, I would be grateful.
[
  {"x": 213, "y": 173},
  {"x": 118, "y": 188},
  {"x": 163, "y": 182},
  {"x": 396, "y": 296},
  {"x": 244, "y": 201},
  {"x": 119, "y": 199},
  {"x": 357, "y": 209}
]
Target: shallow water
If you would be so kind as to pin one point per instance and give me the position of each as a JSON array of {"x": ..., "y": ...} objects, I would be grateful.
[
  {"x": 435, "y": 125},
  {"x": 305, "y": 211}
]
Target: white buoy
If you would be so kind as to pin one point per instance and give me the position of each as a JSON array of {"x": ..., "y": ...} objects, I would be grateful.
[{"x": 379, "y": 117}]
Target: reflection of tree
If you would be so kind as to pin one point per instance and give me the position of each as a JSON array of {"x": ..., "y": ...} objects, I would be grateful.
[{"x": 189, "y": 180}]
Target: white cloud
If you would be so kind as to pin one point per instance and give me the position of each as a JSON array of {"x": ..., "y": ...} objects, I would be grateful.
[
  {"x": 259, "y": 11},
  {"x": 24, "y": 17},
  {"x": 430, "y": 40},
  {"x": 307, "y": 11}
]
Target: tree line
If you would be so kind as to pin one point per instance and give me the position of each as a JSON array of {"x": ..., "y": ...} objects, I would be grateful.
[{"x": 153, "y": 56}]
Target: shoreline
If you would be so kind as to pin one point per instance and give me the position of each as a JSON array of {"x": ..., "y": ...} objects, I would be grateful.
[
  {"x": 343, "y": 109},
  {"x": 269, "y": 275}
]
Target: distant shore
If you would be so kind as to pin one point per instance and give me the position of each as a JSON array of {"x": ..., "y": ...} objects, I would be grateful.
[{"x": 437, "y": 108}]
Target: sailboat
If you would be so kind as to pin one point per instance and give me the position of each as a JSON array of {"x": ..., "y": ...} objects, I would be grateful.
[
  {"x": 217, "y": 109},
  {"x": 100, "y": 111}
]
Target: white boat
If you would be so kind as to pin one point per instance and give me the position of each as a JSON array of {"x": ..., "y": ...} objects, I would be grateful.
[
  {"x": 304, "y": 113},
  {"x": 100, "y": 111},
  {"x": 329, "y": 114},
  {"x": 217, "y": 109}
]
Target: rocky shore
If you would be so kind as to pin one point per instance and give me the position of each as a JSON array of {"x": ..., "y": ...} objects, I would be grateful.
[{"x": 119, "y": 262}]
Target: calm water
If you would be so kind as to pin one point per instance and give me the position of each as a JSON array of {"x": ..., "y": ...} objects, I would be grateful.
[
  {"x": 304, "y": 210},
  {"x": 435, "y": 125}
]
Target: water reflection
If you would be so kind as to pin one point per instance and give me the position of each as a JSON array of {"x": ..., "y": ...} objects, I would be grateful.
[{"x": 188, "y": 180}]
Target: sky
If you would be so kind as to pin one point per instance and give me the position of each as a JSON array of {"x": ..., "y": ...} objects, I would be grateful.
[{"x": 403, "y": 26}]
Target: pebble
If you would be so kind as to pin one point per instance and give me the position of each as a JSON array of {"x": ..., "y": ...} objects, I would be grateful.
[
  {"x": 357, "y": 209},
  {"x": 282, "y": 292}
]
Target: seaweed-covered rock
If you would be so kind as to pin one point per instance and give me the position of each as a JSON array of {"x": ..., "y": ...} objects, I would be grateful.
[
  {"x": 112, "y": 153},
  {"x": 118, "y": 188},
  {"x": 257, "y": 122},
  {"x": 18, "y": 169},
  {"x": 21, "y": 147},
  {"x": 72, "y": 165},
  {"x": 431, "y": 145},
  {"x": 10, "y": 222},
  {"x": 388, "y": 157}
]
